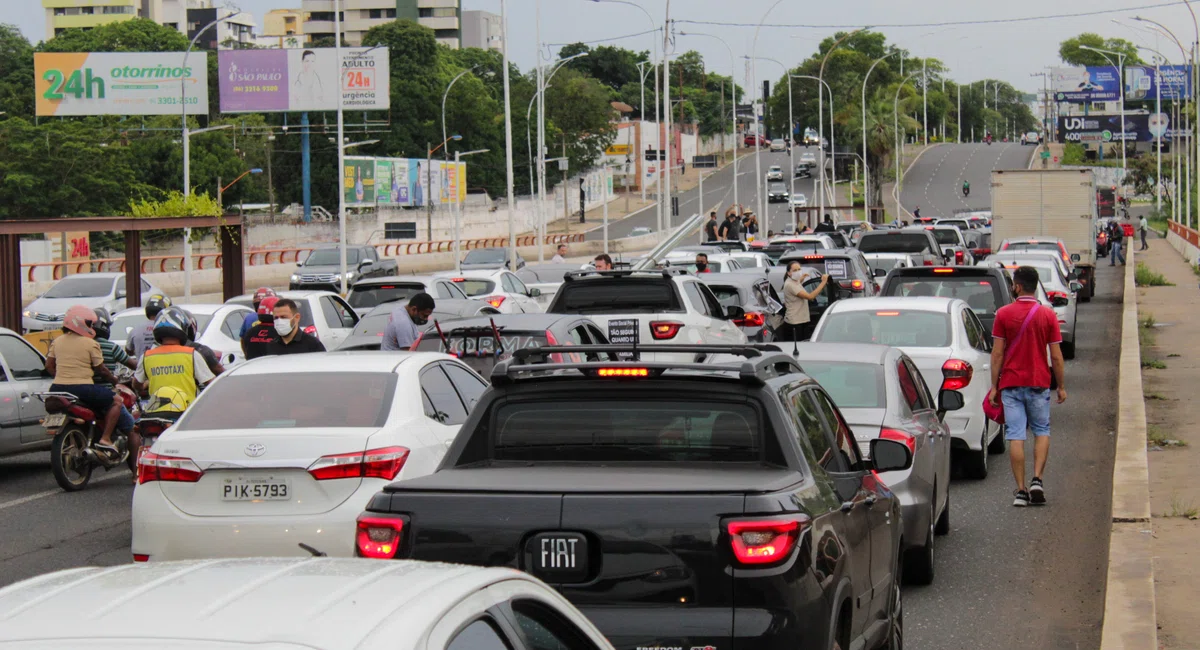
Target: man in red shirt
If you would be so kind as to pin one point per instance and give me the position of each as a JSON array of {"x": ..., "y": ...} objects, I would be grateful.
[{"x": 1021, "y": 378}]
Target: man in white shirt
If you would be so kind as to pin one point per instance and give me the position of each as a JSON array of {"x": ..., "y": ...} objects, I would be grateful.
[
  {"x": 561, "y": 256},
  {"x": 1143, "y": 226}
]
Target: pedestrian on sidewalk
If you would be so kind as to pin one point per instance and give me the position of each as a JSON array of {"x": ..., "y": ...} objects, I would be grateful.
[
  {"x": 1143, "y": 226},
  {"x": 1022, "y": 381},
  {"x": 560, "y": 257},
  {"x": 710, "y": 227},
  {"x": 731, "y": 230},
  {"x": 1117, "y": 237}
]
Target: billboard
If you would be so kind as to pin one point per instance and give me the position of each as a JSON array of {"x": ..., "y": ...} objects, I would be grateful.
[
  {"x": 391, "y": 182},
  {"x": 1107, "y": 128},
  {"x": 1140, "y": 83},
  {"x": 120, "y": 83},
  {"x": 296, "y": 80},
  {"x": 359, "y": 181},
  {"x": 1085, "y": 85},
  {"x": 402, "y": 182}
]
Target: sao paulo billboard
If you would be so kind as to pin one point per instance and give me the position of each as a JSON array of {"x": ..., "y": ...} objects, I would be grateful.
[
  {"x": 296, "y": 80},
  {"x": 1085, "y": 85},
  {"x": 1140, "y": 83},
  {"x": 120, "y": 83}
]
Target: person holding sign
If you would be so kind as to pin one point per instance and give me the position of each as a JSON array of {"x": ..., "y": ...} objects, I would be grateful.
[{"x": 795, "y": 300}]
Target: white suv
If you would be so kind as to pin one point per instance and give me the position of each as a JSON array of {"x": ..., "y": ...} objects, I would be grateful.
[{"x": 660, "y": 307}]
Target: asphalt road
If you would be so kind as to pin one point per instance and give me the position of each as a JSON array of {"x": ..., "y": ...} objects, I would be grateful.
[
  {"x": 934, "y": 182},
  {"x": 718, "y": 194}
]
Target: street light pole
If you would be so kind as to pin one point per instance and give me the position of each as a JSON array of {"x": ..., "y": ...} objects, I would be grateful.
[
  {"x": 758, "y": 175},
  {"x": 508, "y": 140},
  {"x": 1120, "y": 63},
  {"x": 791, "y": 152},
  {"x": 666, "y": 200},
  {"x": 821, "y": 119},
  {"x": 540, "y": 208},
  {"x": 821, "y": 83},
  {"x": 896, "y": 133},
  {"x": 458, "y": 156},
  {"x": 733, "y": 112},
  {"x": 866, "y": 171}
]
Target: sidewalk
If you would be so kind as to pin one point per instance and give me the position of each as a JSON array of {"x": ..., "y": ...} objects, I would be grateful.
[{"x": 1172, "y": 411}]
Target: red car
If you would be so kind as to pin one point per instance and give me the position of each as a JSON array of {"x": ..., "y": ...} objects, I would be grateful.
[{"x": 762, "y": 142}]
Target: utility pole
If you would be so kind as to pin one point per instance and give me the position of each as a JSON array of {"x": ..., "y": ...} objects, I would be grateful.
[
  {"x": 924, "y": 98},
  {"x": 667, "y": 110},
  {"x": 270, "y": 180},
  {"x": 429, "y": 192}
]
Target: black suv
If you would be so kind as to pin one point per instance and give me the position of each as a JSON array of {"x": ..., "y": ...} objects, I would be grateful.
[
  {"x": 720, "y": 504},
  {"x": 985, "y": 288},
  {"x": 847, "y": 268}
]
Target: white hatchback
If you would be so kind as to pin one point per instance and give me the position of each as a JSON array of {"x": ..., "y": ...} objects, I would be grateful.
[
  {"x": 286, "y": 450},
  {"x": 949, "y": 346},
  {"x": 501, "y": 289}
]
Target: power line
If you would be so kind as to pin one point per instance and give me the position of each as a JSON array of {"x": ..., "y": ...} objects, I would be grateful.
[
  {"x": 608, "y": 40},
  {"x": 953, "y": 23}
]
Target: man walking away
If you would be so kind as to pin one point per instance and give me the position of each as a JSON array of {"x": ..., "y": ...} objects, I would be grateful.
[
  {"x": 401, "y": 331},
  {"x": 826, "y": 225},
  {"x": 1021, "y": 379},
  {"x": 1117, "y": 236},
  {"x": 292, "y": 339},
  {"x": 560, "y": 257},
  {"x": 710, "y": 227},
  {"x": 1143, "y": 226}
]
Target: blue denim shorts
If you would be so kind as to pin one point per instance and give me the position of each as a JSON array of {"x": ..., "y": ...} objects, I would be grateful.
[{"x": 1026, "y": 408}]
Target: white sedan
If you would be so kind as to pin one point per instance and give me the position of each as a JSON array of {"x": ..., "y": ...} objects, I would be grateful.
[
  {"x": 218, "y": 327},
  {"x": 297, "y": 463},
  {"x": 948, "y": 344},
  {"x": 501, "y": 289},
  {"x": 799, "y": 200}
]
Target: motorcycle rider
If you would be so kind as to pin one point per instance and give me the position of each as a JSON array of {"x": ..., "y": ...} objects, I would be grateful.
[
  {"x": 142, "y": 339},
  {"x": 260, "y": 294},
  {"x": 115, "y": 357},
  {"x": 74, "y": 358},
  {"x": 966, "y": 187},
  {"x": 173, "y": 363},
  {"x": 257, "y": 341},
  {"x": 210, "y": 356}
]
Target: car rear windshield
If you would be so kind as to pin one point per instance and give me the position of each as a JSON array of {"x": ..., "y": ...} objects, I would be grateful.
[
  {"x": 478, "y": 350},
  {"x": 617, "y": 296},
  {"x": 123, "y": 326},
  {"x": 894, "y": 243},
  {"x": 293, "y": 401},
  {"x": 885, "y": 263},
  {"x": 372, "y": 324},
  {"x": 1032, "y": 246},
  {"x": 81, "y": 288},
  {"x": 943, "y": 236},
  {"x": 819, "y": 263},
  {"x": 373, "y": 295},
  {"x": 851, "y": 385},
  {"x": 486, "y": 256},
  {"x": 727, "y": 296},
  {"x": 896, "y": 327},
  {"x": 598, "y": 431},
  {"x": 474, "y": 288},
  {"x": 978, "y": 292}
]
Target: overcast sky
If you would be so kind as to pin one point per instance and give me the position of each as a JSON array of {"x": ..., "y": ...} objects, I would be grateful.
[{"x": 1004, "y": 51}]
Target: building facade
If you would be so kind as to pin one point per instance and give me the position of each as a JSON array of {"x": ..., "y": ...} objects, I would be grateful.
[
  {"x": 483, "y": 30},
  {"x": 283, "y": 28},
  {"x": 86, "y": 14},
  {"x": 358, "y": 16},
  {"x": 234, "y": 32}
]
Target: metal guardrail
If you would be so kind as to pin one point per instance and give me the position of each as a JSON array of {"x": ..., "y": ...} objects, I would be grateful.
[{"x": 263, "y": 257}]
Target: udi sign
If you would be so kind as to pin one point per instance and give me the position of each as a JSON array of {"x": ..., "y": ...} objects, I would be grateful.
[{"x": 297, "y": 80}]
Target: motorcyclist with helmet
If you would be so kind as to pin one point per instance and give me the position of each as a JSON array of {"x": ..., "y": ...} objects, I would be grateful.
[
  {"x": 142, "y": 339},
  {"x": 966, "y": 187},
  {"x": 260, "y": 294},
  {"x": 74, "y": 359},
  {"x": 171, "y": 373},
  {"x": 257, "y": 340},
  {"x": 209, "y": 355}
]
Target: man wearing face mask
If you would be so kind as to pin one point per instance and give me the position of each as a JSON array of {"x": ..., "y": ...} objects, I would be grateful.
[
  {"x": 292, "y": 339},
  {"x": 401, "y": 331},
  {"x": 702, "y": 263}
]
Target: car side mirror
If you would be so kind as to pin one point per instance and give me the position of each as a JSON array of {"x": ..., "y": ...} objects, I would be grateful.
[
  {"x": 890, "y": 456},
  {"x": 365, "y": 264},
  {"x": 950, "y": 400},
  {"x": 733, "y": 311},
  {"x": 1060, "y": 301},
  {"x": 1076, "y": 287},
  {"x": 879, "y": 273},
  {"x": 299, "y": 263},
  {"x": 1075, "y": 257},
  {"x": 535, "y": 292},
  {"x": 121, "y": 293}
]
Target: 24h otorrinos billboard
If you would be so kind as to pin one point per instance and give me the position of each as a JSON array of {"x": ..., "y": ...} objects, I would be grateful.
[{"x": 120, "y": 83}]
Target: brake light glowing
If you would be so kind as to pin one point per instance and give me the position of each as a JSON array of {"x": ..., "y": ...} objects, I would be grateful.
[
  {"x": 764, "y": 542},
  {"x": 857, "y": 285},
  {"x": 957, "y": 374},
  {"x": 495, "y": 301},
  {"x": 943, "y": 270},
  {"x": 1058, "y": 294},
  {"x": 958, "y": 257},
  {"x": 623, "y": 372},
  {"x": 902, "y": 437},
  {"x": 139, "y": 557},
  {"x": 458, "y": 280},
  {"x": 814, "y": 257},
  {"x": 171, "y": 469},
  {"x": 378, "y": 537},
  {"x": 385, "y": 463},
  {"x": 887, "y": 313},
  {"x": 751, "y": 319},
  {"x": 664, "y": 330},
  {"x": 311, "y": 330},
  {"x": 927, "y": 263}
]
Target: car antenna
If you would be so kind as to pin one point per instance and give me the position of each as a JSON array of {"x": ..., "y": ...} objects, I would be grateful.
[
  {"x": 795, "y": 346},
  {"x": 313, "y": 551}
]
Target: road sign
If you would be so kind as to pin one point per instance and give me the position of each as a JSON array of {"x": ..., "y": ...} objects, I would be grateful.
[
  {"x": 1045, "y": 155},
  {"x": 619, "y": 150}
]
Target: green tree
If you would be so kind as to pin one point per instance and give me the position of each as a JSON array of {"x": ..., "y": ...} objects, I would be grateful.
[
  {"x": 137, "y": 35},
  {"x": 580, "y": 117},
  {"x": 1072, "y": 52},
  {"x": 16, "y": 72},
  {"x": 612, "y": 66}
]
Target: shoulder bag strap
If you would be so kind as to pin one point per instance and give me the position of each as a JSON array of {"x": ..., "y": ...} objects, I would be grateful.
[{"x": 1021, "y": 332}]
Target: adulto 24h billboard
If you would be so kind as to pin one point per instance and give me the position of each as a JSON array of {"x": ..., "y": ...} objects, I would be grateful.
[
  {"x": 295, "y": 80},
  {"x": 120, "y": 83}
]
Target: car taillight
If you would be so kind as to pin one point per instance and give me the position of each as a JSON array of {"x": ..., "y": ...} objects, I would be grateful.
[
  {"x": 311, "y": 330},
  {"x": 902, "y": 437},
  {"x": 385, "y": 463},
  {"x": 981, "y": 252},
  {"x": 494, "y": 301},
  {"x": 958, "y": 257},
  {"x": 664, "y": 329},
  {"x": 378, "y": 537},
  {"x": 766, "y": 541},
  {"x": 139, "y": 557},
  {"x": 751, "y": 319},
  {"x": 928, "y": 262},
  {"x": 172, "y": 469},
  {"x": 956, "y": 374},
  {"x": 1058, "y": 294},
  {"x": 623, "y": 372}
]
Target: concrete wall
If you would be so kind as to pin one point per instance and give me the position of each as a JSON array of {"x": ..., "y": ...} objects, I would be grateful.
[{"x": 1185, "y": 240}]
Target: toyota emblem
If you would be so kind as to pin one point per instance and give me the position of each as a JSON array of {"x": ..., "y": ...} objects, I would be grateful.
[{"x": 255, "y": 449}]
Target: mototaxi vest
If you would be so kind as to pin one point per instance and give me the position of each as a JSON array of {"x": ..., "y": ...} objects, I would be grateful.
[{"x": 171, "y": 366}]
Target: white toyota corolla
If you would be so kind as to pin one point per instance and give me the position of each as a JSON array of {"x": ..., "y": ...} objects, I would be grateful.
[{"x": 281, "y": 451}]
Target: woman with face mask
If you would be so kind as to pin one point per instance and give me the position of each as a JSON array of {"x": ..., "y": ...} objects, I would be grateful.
[
  {"x": 292, "y": 339},
  {"x": 795, "y": 300}
]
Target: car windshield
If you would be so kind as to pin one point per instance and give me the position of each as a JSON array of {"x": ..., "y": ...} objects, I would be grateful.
[
  {"x": 1031, "y": 246},
  {"x": 331, "y": 257},
  {"x": 945, "y": 236},
  {"x": 124, "y": 326},
  {"x": 486, "y": 256},
  {"x": 851, "y": 385},
  {"x": 900, "y": 242},
  {"x": 474, "y": 288},
  {"x": 960, "y": 223},
  {"x": 81, "y": 287},
  {"x": 713, "y": 267},
  {"x": 202, "y": 321},
  {"x": 616, "y": 296},
  {"x": 895, "y": 327},
  {"x": 615, "y": 430},
  {"x": 777, "y": 187},
  {"x": 373, "y": 295},
  {"x": 284, "y": 401},
  {"x": 979, "y": 293}
]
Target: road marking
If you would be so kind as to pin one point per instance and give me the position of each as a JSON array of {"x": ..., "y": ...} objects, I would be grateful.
[{"x": 47, "y": 493}]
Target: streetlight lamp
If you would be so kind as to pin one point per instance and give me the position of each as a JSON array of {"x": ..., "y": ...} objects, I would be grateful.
[
  {"x": 458, "y": 156},
  {"x": 821, "y": 116},
  {"x": 899, "y": 139},
  {"x": 733, "y": 111},
  {"x": 221, "y": 190},
  {"x": 445, "y": 95},
  {"x": 821, "y": 83},
  {"x": 187, "y": 158},
  {"x": 866, "y": 171},
  {"x": 791, "y": 151},
  {"x": 1120, "y": 78}
]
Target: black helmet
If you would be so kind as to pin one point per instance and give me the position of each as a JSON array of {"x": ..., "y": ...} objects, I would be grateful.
[
  {"x": 192, "y": 328},
  {"x": 103, "y": 324},
  {"x": 171, "y": 322},
  {"x": 155, "y": 304}
]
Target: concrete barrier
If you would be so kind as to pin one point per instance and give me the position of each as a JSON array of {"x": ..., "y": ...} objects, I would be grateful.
[
  {"x": 1185, "y": 240},
  {"x": 1130, "y": 622}
]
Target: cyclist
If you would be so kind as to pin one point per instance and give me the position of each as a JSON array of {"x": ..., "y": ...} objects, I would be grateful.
[
  {"x": 966, "y": 187},
  {"x": 142, "y": 339},
  {"x": 252, "y": 319},
  {"x": 74, "y": 358}
]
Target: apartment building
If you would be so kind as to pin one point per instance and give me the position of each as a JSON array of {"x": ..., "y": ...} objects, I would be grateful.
[
  {"x": 235, "y": 31},
  {"x": 283, "y": 28},
  {"x": 358, "y": 16},
  {"x": 483, "y": 30},
  {"x": 86, "y": 14}
]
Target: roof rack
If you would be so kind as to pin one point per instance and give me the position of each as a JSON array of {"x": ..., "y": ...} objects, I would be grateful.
[
  {"x": 625, "y": 273},
  {"x": 763, "y": 361}
]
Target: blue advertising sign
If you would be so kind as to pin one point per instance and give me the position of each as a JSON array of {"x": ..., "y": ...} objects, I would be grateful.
[
  {"x": 1140, "y": 83},
  {"x": 1085, "y": 85}
]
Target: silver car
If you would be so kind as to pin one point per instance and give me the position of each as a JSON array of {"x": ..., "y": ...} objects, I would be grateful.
[
  {"x": 24, "y": 370},
  {"x": 880, "y": 392},
  {"x": 1062, "y": 292},
  {"x": 95, "y": 290}
]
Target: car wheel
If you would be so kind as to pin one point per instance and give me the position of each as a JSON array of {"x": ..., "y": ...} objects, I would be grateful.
[
  {"x": 997, "y": 446},
  {"x": 918, "y": 562},
  {"x": 1068, "y": 349},
  {"x": 976, "y": 462},
  {"x": 943, "y": 522}
]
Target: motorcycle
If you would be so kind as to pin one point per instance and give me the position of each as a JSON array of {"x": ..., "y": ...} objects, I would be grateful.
[
  {"x": 966, "y": 192},
  {"x": 149, "y": 428},
  {"x": 76, "y": 429}
]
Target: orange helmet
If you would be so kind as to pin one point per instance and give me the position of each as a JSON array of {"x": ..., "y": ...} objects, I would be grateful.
[{"x": 79, "y": 319}]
